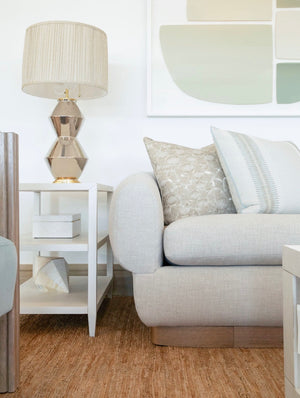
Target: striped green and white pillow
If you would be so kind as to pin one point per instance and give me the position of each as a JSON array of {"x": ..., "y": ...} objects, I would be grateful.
[{"x": 263, "y": 176}]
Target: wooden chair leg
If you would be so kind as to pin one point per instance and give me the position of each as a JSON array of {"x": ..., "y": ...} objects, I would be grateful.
[
  {"x": 9, "y": 228},
  {"x": 9, "y": 351}
]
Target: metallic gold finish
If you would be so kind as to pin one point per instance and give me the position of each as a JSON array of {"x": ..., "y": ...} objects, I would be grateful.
[
  {"x": 66, "y": 158},
  {"x": 67, "y": 96},
  {"x": 63, "y": 180},
  {"x": 66, "y": 118}
]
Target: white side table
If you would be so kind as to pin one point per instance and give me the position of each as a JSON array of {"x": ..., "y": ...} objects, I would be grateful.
[
  {"x": 86, "y": 292},
  {"x": 291, "y": 320}
]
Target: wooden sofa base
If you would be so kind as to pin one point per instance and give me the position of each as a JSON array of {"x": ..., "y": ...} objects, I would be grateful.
[{"x": 247, "y": 337}]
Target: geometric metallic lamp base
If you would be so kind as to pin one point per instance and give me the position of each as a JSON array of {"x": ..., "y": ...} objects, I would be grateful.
[{"x": 66, "y": 158}]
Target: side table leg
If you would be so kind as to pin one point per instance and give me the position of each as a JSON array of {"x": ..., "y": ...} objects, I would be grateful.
[
  {"x": 92, "y": 318},
  {"x": 109, "y": 253},
  {"x": 290, "y": 391},
  {"x": 37, "y": 209},
  {"x": 291, "y": 357},
  {"x": 110, "y": 265},
  {"x": 92, "y": 259}
]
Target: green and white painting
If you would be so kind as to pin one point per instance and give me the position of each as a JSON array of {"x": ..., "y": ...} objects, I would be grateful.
[{"x": 217, "y": 58}]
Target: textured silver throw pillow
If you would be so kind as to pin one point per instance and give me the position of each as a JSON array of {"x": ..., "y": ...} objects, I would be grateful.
[{"x": 191, "y": 181}]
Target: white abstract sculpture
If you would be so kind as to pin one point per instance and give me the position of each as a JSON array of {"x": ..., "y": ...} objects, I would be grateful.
[{"x": 51, "y": 273}]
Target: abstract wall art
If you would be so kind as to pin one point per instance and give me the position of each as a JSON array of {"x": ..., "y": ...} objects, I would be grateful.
[{"x": 217, "y": 58}]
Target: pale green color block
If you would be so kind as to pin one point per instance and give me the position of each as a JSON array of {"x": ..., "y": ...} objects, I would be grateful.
[
  {"x": 288, "y": 83},
  {"x": 288, "y": 3},
  {"x": 229, "y": 10},
  {"x": 229, "y": 64}
]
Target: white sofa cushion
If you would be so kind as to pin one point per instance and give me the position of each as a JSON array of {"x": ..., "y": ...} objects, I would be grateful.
[
  {"x": 231, "y": 239},
  {"x": 191, "y": 181},
  {"x": 263, "y": 176}
]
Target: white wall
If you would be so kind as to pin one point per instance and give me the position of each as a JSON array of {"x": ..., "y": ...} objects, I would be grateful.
[{"x": 115, "y": 125}]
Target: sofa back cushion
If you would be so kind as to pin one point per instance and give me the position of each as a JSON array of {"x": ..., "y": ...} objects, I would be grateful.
[
  {"x": 263, "y": 175},
  {"x": 191, "y": 181}
]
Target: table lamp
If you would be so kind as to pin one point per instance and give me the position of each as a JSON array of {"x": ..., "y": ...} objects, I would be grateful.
[{"x": 65, "y": 61}]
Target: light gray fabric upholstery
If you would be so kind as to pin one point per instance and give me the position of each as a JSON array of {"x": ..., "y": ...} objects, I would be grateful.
[
  {"x": 8, "y": 272},
  {"x": 210, "y": 296},
  {"x": 136, "y": 224},
  {"x": 231, "y": 239}
]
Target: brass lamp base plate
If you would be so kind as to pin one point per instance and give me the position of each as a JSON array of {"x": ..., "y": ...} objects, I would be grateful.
[{"x": 66, "y": 180}]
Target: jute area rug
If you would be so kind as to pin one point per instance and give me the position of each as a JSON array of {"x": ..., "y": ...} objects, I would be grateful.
[{"x": 59, "y": 359}]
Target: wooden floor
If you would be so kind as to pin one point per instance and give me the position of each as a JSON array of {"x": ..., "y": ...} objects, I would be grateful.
[{"x": 58, "y": 360}]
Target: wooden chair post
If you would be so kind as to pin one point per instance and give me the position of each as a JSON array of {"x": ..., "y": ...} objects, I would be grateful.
[{"x": 9, "y": 228}]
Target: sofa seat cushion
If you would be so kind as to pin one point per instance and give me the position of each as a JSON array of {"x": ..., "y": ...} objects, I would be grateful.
[{"x": 231, "y": 239}]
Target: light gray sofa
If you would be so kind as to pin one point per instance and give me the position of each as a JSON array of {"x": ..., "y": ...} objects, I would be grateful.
[{"x": 201, "y": 281}]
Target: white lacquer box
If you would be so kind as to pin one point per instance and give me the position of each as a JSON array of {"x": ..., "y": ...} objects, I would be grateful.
[{"x": 56, "y": 226}]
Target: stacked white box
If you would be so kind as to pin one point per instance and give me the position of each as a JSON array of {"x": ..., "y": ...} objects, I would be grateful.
[{"x": 56, "y": 226}]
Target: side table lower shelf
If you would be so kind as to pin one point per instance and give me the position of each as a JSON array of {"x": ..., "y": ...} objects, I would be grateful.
[{"x": 32, "y": 301}]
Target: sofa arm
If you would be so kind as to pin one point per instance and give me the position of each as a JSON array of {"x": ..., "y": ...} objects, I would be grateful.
[
  {"x": 136, "y": 224},
  {"x": 8, "y": 274}
]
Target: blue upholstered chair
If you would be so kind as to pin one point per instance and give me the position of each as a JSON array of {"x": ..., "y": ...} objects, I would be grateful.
[{"x": 8, "y": 273}]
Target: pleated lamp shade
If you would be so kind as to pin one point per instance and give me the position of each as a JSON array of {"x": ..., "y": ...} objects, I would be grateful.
[{"x": 60, "y": 55}]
